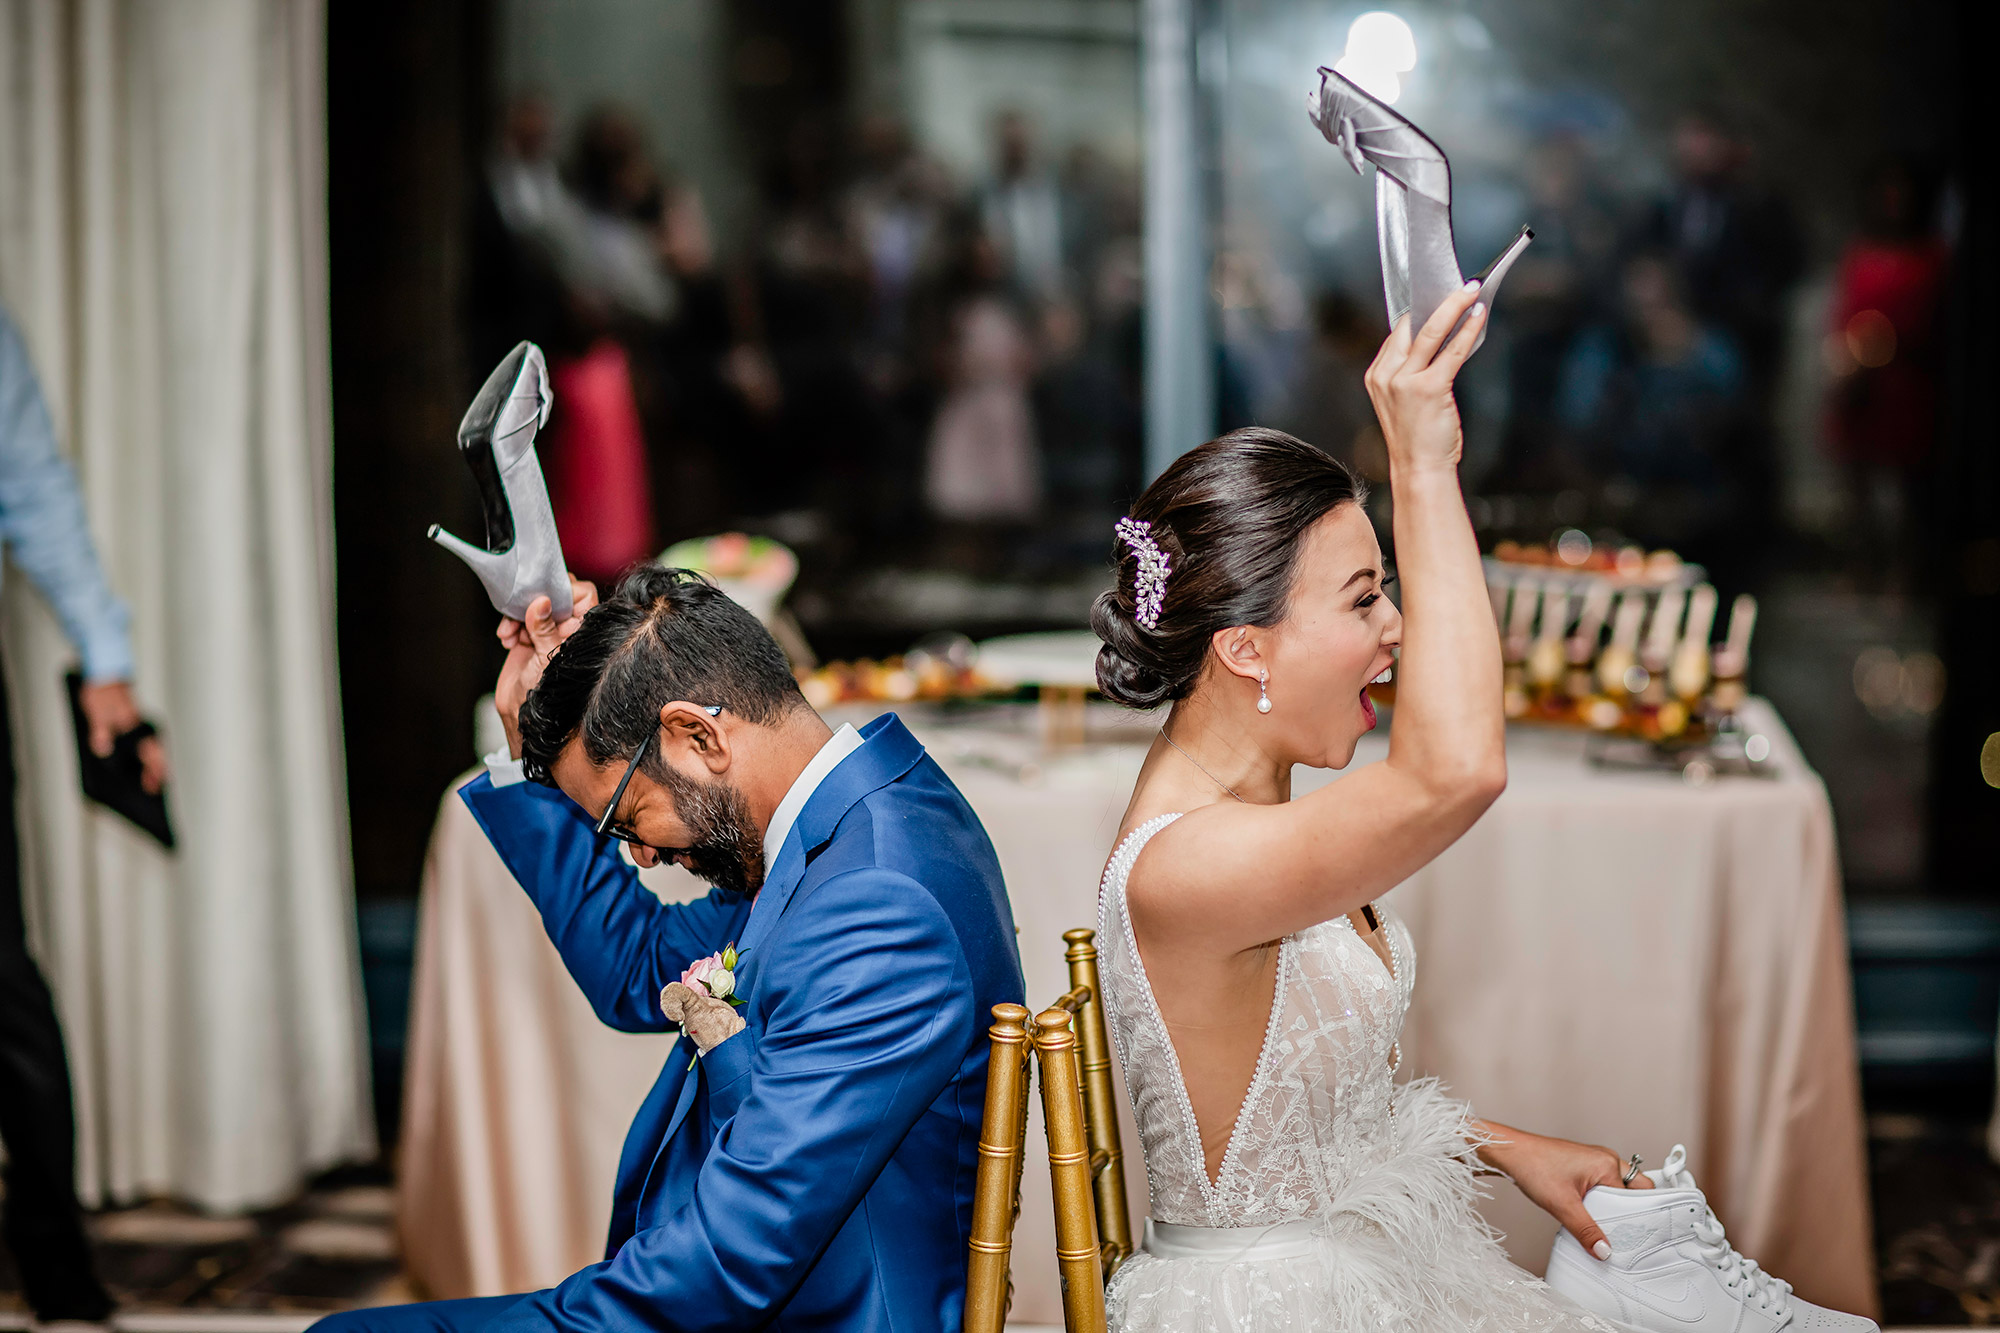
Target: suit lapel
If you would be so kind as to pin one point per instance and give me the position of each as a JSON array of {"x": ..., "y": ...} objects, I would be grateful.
[
  {"x": 689, "y": 1086},
  {"x": 887, "y": 751},
  {"x": 779, "y": 883}
]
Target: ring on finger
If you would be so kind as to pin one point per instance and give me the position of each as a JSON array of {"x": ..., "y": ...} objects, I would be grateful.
[{"x": 1631, "y": 1170}]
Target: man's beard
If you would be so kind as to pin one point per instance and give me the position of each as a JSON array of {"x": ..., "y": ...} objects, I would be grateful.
[{"x": 723, "y": 846}]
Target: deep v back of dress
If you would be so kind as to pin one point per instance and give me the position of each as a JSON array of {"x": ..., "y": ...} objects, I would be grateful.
[
  {"x": 1344, "y": 1200},
  {"x": 1317, "y": 1108}
]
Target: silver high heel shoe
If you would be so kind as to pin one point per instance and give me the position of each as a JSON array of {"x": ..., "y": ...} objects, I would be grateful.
[
  {"x": 1412, "y": 201},
  {"x": 522, "y": 558}
]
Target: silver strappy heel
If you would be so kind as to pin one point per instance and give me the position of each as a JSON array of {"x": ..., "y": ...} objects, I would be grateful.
[
  {"x": 522, "y": 558},
  {"x": 1412, "y": 200}
]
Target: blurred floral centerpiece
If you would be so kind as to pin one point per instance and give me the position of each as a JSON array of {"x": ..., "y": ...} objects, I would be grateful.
[{"x": 756, "y": 572}]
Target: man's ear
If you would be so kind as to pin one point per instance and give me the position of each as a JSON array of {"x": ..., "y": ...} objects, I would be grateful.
[
  {"x": 1239, "y": 650},
  {"x": 690, "y": 728}
]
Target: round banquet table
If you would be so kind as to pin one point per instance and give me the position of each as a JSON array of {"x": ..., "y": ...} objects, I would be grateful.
[{"x": 1616, "y": 957}]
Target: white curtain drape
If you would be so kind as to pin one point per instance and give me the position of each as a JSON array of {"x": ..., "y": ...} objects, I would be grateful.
[{"x": 162, "y": 247}]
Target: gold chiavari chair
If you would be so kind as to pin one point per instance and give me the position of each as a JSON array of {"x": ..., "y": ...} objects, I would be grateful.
[
  {"x": 996, "y": 1193},
  {"x": 1100, "y": 1103},
  {"x": 1078, "y": 1256},
  {"x": 1086, "y": 1161}
]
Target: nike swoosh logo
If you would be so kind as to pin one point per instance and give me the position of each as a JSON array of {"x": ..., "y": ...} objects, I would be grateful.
[{"x": 1686, "y": 1305}]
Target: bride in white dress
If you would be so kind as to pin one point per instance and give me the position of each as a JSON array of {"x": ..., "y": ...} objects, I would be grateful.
[{"x": 1254, "y": 989}]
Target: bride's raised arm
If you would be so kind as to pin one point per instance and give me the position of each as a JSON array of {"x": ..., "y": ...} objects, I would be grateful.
[
  {"x": 1240, "y": 872},
  {"x": 1448, "y": 738}
]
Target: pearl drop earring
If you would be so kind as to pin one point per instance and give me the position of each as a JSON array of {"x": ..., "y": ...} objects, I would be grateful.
[{"x": 1263, "y": 699}]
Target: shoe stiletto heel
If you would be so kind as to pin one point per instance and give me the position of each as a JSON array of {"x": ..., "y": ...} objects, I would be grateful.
[
  {"x": 522, "y": 558},
  {"x": 1412, "y": 201}
]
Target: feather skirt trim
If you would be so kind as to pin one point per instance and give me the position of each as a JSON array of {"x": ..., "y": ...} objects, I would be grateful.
[{"x": 1401, "y": 1247}]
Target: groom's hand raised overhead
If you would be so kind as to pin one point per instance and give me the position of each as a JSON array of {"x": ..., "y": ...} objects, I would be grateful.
[{"x": 529, "y": 644}]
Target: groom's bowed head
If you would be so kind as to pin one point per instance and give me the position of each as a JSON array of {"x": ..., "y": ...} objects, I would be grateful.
[{"x": 668, "y": 713}]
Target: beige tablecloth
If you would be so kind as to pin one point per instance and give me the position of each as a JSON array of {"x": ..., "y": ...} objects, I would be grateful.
[{"x": 1613, "y": 957}]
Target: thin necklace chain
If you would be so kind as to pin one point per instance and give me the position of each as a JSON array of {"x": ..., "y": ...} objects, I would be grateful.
[
  {"x": 1367, "y": 909},
  {"x": 1198, "y": 764}
]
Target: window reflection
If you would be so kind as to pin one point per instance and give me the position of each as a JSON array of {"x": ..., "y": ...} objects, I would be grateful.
[
  {"x": 866, "y": 280},
  {"x": 1716, "y": 344}
]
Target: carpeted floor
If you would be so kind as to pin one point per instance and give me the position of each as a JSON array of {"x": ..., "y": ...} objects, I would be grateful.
[
  {"x": 1937, "y": 1220},
  {"x": 333, "y": 1250},
  {"x": 1937, "y": 1217}
]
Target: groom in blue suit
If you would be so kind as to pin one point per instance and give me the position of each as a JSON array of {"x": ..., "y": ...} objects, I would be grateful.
[{"x": 813, "y": 1170}]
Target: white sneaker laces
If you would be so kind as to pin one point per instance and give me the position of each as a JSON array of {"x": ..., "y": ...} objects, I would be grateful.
[{"x": 1771, "y": 1294}]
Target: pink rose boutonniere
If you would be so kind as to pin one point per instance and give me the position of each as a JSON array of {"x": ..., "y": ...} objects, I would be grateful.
[
  {"x": 704, "y": 1001},
  {"x": 715, "y": 975}
]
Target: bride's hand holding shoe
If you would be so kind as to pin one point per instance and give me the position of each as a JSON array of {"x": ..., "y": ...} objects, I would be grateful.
[
  {"x": 1410, "y": 384},
  {"x": 1556, "y": 1174}
]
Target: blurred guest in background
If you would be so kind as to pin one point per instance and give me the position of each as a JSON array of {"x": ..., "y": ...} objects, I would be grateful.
[
  {"x": 1332, "y": 404},
  {"x": 619, "y": 186},
  {"x": 808, "y": 312},
  {"x": 1086, "y": 402},
  {"x": 1654, "y": 400},
  {"x": 527, "y": 239},
  {"x": 43, "y": 530},
  {"x": 984, "y": 464},
  {"x": 1022, "y": 208},
  {"x": 1737, "y": 252},
  {"x": 884, "y": 346},
  {"x": 690, "y": 406},
  {"x": 1562, "y": 283},
  {"x": 1882, "y": 347},
  {"x": 1736, "y": 248},
  {"x": 620, "y": 299},
  {"x": 1261, "y": 313},
  {"x": 896, "y": 207}
]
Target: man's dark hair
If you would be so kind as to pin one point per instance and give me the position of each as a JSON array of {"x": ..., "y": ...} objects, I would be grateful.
[{"x": 663, "y": 635}]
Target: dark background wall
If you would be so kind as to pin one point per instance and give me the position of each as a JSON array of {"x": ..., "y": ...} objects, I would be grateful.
[
  {"x": 406, "y": 114},
  {"x": 1965, "y": 805}
]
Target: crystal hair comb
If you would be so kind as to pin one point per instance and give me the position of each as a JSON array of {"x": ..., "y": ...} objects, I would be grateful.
[{"x": 1149, "y": 587}]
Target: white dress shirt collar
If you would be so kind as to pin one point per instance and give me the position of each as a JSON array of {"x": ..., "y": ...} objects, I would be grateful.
[{"x": 840, "y": 745}]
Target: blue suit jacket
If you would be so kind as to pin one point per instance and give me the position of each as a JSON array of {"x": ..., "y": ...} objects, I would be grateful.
[{"x": 814, "y": 1171}]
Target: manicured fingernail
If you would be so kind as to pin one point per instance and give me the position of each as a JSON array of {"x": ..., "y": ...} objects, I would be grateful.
[
  {"x": 1478, "y": 308},
  {"x": 1602, "y": 1249},
  {"x": 1473, "y": 285}
]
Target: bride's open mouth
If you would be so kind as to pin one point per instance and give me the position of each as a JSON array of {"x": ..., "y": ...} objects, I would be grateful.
[{"x": 1367, "y": 704}]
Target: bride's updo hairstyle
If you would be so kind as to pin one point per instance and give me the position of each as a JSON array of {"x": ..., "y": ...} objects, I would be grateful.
[{"x": 1229, "y": 517}]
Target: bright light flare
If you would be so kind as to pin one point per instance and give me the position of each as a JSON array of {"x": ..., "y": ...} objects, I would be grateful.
[{"x": 1380, "y": 48}]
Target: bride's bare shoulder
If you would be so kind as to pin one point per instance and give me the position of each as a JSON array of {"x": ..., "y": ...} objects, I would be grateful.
[{"x": 1173, "y": 829}]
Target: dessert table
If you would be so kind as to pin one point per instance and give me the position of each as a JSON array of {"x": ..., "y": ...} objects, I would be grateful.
[{"x": 1619, "y": 957}]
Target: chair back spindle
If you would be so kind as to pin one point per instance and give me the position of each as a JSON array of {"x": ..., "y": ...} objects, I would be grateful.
[
  {"x": 1086, "y": 1162},
  {"x": 996, "y": 1199},
  {"x": 1100, "y": 1104},
  {"x": 1078, "y": 1255}
]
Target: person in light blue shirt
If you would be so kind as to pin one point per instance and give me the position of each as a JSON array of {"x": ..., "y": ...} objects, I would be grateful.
[{"x": 43, "y": 531}]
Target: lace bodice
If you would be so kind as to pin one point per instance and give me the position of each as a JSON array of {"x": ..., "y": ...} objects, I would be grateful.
[{"x": 1318, "y": 1110}]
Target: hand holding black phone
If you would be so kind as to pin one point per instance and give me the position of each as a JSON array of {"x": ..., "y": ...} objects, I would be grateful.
[{"x": 114, "y": 780}]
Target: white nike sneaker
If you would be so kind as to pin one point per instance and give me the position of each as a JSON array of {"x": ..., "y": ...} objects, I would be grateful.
[{"x": 1672, "y": 1270}]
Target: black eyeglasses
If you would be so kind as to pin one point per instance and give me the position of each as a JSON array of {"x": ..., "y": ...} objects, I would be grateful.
[{"x": 606, "y": 828}]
